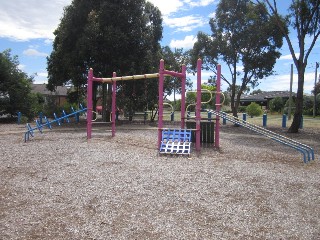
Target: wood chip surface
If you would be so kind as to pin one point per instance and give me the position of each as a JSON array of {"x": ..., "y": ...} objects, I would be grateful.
[{"x": 61, "y": 186}]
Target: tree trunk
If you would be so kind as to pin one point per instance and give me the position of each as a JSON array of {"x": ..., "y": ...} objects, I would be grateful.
[
  {"x": 294, "y": 128},
  {"x": 233, "y": 88},
  {"x": 153, "y": 116},
  {"x": 233, "y": 104},
  {"x": 234, "y": 108}
]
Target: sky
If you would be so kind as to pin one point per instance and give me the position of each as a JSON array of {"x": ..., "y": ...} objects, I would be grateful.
[{"x": 26, "y": 27}]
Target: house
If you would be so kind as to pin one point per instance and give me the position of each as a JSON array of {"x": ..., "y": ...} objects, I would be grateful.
[
  {"x": 60, "y": 94},
  {"x": 263, "y": 98}
]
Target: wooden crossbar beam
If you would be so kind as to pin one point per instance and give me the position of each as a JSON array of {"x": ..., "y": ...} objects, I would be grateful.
[{"x": 124, "y": 78}]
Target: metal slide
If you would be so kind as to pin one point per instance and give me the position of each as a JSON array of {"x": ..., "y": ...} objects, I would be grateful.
[{"x": 307, "y": 152}]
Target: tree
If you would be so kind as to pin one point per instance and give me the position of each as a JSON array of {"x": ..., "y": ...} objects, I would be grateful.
[
  {"x": 15, "y": 87},
  {"x": 276, "y": 104},
  {"x": 173, "y": 62},
  {"x": 254, "y": 109},
  {"x": 108, "y": 36},
  {"x": 304, "y": 18},
  {"x": 256, "y": 92},
  {"x": 316, "y": 89},
  {"x": 236, "y": 24},
  {"x": 308, "y": 105},
  {"x": 237, "y": 89}
]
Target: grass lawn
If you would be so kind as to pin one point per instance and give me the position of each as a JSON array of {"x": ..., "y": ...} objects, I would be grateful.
[{"x": 273, "y": 120}]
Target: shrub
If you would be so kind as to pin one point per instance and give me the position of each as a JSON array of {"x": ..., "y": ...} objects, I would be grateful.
[
  {"x": 242, "y": 109},
  {"x": 254, "y": 109},
  {"x": 24, "y": 120},
  {"x": 276, "y": 104}
]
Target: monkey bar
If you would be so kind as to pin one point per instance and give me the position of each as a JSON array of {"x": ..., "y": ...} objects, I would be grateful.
[
  {"x": 162, "y": 73},
  {"x": 124, "y": 78}
]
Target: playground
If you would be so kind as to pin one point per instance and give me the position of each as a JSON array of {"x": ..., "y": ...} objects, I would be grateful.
[{"x": 58, "y": 185}]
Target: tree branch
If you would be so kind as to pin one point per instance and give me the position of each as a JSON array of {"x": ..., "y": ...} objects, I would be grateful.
[{"x": 311, "y": 46}]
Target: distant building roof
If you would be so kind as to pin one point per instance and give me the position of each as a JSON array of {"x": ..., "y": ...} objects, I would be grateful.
[
  {"x": 42, "y": 88},
  {"x": 265, "y": 95}
]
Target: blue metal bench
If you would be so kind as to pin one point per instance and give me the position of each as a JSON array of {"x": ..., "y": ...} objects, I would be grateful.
[{"x": 175, "y": 141}]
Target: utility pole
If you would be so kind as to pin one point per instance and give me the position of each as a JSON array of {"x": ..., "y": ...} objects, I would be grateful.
[
  {"x": 290, "y": 96},
  {"x": 315, "y": 94}
]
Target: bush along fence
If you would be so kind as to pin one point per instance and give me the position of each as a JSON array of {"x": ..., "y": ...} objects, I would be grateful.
[{"x": 58, "y": 120}]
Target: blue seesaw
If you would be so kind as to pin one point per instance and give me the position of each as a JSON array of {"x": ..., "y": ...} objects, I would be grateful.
[{"x": 39, "y": 125}]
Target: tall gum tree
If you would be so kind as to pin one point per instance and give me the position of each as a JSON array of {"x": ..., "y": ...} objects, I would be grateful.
[
  {"x": 120, "y": 36},
  {"x": 304, "y": 17},
  {"x": 243, "y": 34}
]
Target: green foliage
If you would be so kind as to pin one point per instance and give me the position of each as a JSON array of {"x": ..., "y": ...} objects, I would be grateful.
[
  {"x": 242, "y": 109},
  {"x": 237, "y": 89},
  {"x": 316, "y": 88},
  {"x": 173, "y": 62},
  {"x": 276, "y": 104},
  {"x": 254, "y": 109},
  {"x": 76, "y": 97},
  {"x": 67, "y": 107},
  {"x": 177, "y": 105},
  {"x": 308, "y": 102},
  {"x": 235, "y": 26},
  {"x": 192, "y": 96},
  {"x": 256, "y": 92},
  {"x": 37, "y": 103},
  {"x": 191, "y": 100},
  {"x": 24, "y": 120},
  {"x": 208, "y": 102},
  {"x": 286, "y": 106},
  {"x": 50, "y": 106},
  {"x": 108, "y": 35},
  {"x": 207, "y": 97},
  {"x": 15, "y": 87}
]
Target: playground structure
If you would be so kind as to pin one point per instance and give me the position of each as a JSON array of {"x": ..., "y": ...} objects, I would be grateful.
[
  {"x": 173, "y": 141},
  {"x": 162, "y": 73},
  {"x": 178, "y": 140},
  {"x": 58, "y": 120}
]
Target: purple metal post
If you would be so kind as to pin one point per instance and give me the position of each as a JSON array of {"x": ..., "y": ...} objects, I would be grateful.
[
  {"x": 114, "y": 95},
  {"x": 218, "y": 108},
  {"x": 89, "y": 103},
  {"x": 183, "y": 96},
  {"x": 160, "y": 104},
  {"x": 198, "y": 104}
]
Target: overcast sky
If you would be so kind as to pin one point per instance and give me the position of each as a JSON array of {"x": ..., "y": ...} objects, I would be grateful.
[{"x": 27, "y": 28}]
